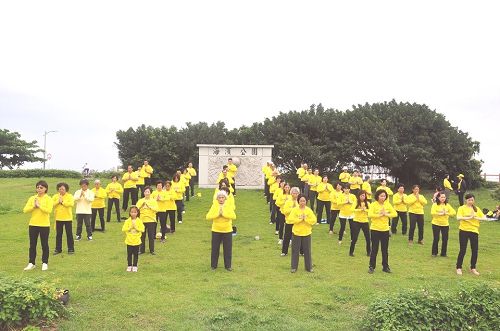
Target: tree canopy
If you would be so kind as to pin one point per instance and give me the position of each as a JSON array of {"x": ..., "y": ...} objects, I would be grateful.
[{"x": 14, "y": 151}]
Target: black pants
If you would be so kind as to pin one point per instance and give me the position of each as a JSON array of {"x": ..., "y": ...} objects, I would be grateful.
[
  {"x": 180, "y": 209},
  {"x": 132, "y": 192},
  {"x": 101, "y": 218},
  {"x": 161, "y": 217},
  {"x": 464, "y": 237},
  {"x": 233, "y": 185},
  {"x": 342, "y": 227},
  {"x": 301, "y": 186},
  {"x": 266, "y": 190},
  {"x": 381, "y": 237},
  {"x": 319, "y": 210},
  {"x": 187, "y": 193},
  {"x": 436, "y": 229},
  {"x": 171, "y": 216},
  {"x": 80, "y": 219},
  {"x": 43, "y": 232},
  {"x": 280, "y": 223},
  {"x": 116, "y": 203},
  {"x": 287, "y": 236},
  {"x": 301, "y": 243},
  {"x": 356, "y": 227},
  {"x": 355, "y": 191},
  {"x": 132, "y": 255},
  {"x": 312, "y": 198},
  {"x": 140, "y": 188},
  {"x": 404, "y": 222},
  {"x": 191, "y": 185},
  {"x": 306, "y": 189},
  {"x": 333, "y": 217},
  {"x": 461, "y": 198},
  {"x": 68, "y": 226},
  {"x": 150, "y": 228},
  {"x": 416, "y": 219},
  {"x": 227, "y": 244},
  {"x": 272, "y": 203}
]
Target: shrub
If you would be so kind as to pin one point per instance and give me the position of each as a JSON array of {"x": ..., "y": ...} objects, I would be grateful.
[
  {"x": 496, "y": 194},
  {"x": 39, "y": 173},
  {"x": 24, "y": 301},
  {"x": 473, "y": 308}
]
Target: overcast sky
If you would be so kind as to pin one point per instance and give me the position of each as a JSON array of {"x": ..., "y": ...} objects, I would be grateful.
[{"x": 91, "y": 68}]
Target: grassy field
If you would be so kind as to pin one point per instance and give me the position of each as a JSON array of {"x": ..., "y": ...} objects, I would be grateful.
[{"x": 176, "y": 289}]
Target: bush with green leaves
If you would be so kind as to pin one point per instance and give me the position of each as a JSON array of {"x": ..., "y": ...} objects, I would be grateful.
[
  {"x": 39, "y": 173},
  {"x": 27, "y": 301},
  {"x": 471, "y": 308}
]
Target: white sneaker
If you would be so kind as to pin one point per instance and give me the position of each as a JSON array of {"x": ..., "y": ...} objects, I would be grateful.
[
  {"x": 129, "y": 268},
  {"x": 45, "y": 266},
  {"x": 183, "y": 211},
  {"x": 180, "y": 222},
  {"x": 280, "y": 242},
  {"x": 30, "y": 266},
  {"x": 134, "y": 269},
  {"x": 90, "y": 238},
  {"x": 459, "y": 272}
]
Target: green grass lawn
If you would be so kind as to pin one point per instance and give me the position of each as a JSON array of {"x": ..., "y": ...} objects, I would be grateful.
[{"x": 177, "y": 290}]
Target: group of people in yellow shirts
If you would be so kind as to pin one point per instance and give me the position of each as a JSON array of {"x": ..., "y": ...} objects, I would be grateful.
[
  {"x": 351, "y": 199},
  {"x": 154, "y": 206}
]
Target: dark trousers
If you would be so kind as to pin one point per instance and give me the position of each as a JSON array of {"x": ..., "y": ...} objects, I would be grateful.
[
  {"x": 80, "y": 219},
  {"x": 150, "y": 228},
  {"x": 436, "y": 229},
  {"x": 272, "y": 203},
  {"x": 101, "y": 218},
  {"x": 355, "y": 191},
  {"x": 233, "y": 185},
  {"x": 312, "y": 198},
  {"x": 171, "y": 215},
  {"x": 464, "y": 237},
  {"x": 301, "y": 243},
  {"x": 287, "y": 236},
  {"x": 342, "y": 227},
  {"x": 191, "y": 185},
  {"x": 319, "y": 210},
  {"x": 356, "y": 227},
  {"x": 301, "y": 186},
  {"x": 416, "y": 219},
  {"x": 266, "y": 190},
  {"x": 461, "y": 198},
  {"x": 68, "y": 226},
  {"x": 280, "y": 223},
  {"x": 333, "y": 217},
  {"x": 140, "y": 188},
  {"x": 132, "y": 192},
  {"x": 187, "y": 193},
  {"x": 227, "y": 244},
  {"x": 404, "y": 222},
  {"x": 43, "y": 232},
  {"x": 381, "y": 237},
  {"x": 180, "y": 209},
  {"x": 116, "y": 203},
  {"x": 161, "y": 216},
  {"x": 132, "y": 255},
  {"x": 306, "y": 189}
]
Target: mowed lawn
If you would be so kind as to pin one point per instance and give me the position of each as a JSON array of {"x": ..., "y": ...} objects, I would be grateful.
[{"x": 177, "y": 290}]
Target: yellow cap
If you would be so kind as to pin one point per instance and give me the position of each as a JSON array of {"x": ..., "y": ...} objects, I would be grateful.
[{"x": 461, "y": 176}]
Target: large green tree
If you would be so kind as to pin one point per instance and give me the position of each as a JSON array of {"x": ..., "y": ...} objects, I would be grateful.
[{"x": 15, "y": 152}]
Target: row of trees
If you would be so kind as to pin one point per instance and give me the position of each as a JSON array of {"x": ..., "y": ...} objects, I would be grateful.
[
  {"x": 15, "y": 151},
  {"x": 412, "y": 142}
]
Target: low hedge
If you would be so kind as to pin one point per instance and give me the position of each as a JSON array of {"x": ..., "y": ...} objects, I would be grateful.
[
  {"x": 471, "y": 308},
  {"x": 28, "y": 301},
  {"x": 39, "y": 173}
]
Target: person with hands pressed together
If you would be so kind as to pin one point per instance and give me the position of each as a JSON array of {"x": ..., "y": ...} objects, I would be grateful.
[
  {"x": 416, "y": 203},
  {"x": 441, "y": 210},
  {"x": 360, "y": 222},
  {"x": 303, "y": 219},
  {"x": 133, "y": 229},
  {"x": 162, "y": 198},
  {"x": 40, "y": 206},
  {"x": 129, "y": 187},
  {"x": 63, "y": 203},
  {"x": 346, "y": 202},
  {"x": 83, "y": 199},
  {"x": 148, "y": 208},
  {"x": 287, "y": 209},
  {"x": 399, "y": 202},
  {"x": 324, "y": 190},
  {"x": 114, "y": 190},
  {"x": 98, "y": 204}
]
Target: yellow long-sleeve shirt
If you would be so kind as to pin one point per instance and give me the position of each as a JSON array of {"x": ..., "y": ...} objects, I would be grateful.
[
  {"x": 148, "y": 208},
  {"x": 441, "y": 213},
  {"x": 287, "y": 209},
  {"x": 40, "y": 216},
  {"x": 399, "y": 202},
  {"x": 161, "y": 198},
  {"x": 470, "y": 225},
  {"x": 282, "y": 199},
  {"x": 63, "y": 211},
  {"x": 170, "y": 199},
  {"x": 140, "y": 179},
  {"x": 129, "y": 180},
  {"x": 379, "y": 222},
  {"x": 324, "y": 191},
  {"x": 361, "y": 215},
  {"x": 179, "y": 188},
  {"x": 313, "y": 181},
  {"x": 334, "y": 197},
  {"x": 447, "y": 184},
  {"x": 277, "y": 192},
  {"x": 416, "y": 206},
  {"x": 192, "y": 172},
  {"x": 186, "y": 177},
  {"x": 386, "y": 189},
  {"x": 114, "y": 190},
  {"x": 229, "y": 199},
  {"x": 228, "y": 177},
  {"x": 368, "y": 189},
  {"x": 344, "y": 177},
  {"x": 305, "y": 178},
  {"x": 221, "y": 223},
  {"x": 346, "y": 205},
  {"x": 133, "y": 232},
  {"x": 146, "y": 171},
  {"x": 99, "y": 198},
  {"x": 232, "y": 169},
  {"x": 301, "y": 172},
  {"x": 302, "y": 220},
  {"x": 355, "y": 182}
]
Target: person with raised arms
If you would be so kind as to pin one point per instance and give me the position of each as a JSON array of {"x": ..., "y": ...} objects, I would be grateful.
[
  {"x": 360, "y": 222},
  {"x": 346, "y": 202},
  {"x": 441, "y": 210},
  {"x": 148, "y": 208},
  {"x": 63, "y": 203},
  {"x": 114, "y": 191},
  {"x": 303, "y": 219},
  {"x": 133, "y": 229},
  {"x": 416, "y": 203}
]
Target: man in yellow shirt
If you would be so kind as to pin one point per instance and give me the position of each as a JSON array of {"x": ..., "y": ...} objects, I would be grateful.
[
  {"x": 192, "y": 172},
  {"x": 98, "y": 204},
  {"x": 146, "y": 172},
  {"x": 129, "y": 188},
  {"x": 344, "y": 175},
  {"x": 232, "y": 169}
]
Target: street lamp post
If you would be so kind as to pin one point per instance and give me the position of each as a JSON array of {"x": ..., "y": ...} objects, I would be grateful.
[{"x": 45, "y": 146}]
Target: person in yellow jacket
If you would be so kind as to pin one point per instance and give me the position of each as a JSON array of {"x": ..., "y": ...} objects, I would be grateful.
[
  {"x": 335, "y": 209},
  {"x": 344, "y": 175},
  {"x": 367, "y": 187},
  {"x": 129, "y": 187},
  {"x": 274, "y": 184},
  {"x": 161, "y": 198},
  {"x": 469, "y": 216},
  {"x": 287, "y": 209},
  {"x": 399, "y": 202},
  {"x": 192, "y": 173},
  {"x": 356, "y": 182},
  {"x": 133, "y": 229},
  {"x": 447, "y": 186},
  {"x": 383, "y": 186},
  {"x": 171, "y": 205},
  {"x": 146, "y": 172},
  {"x": 305, "y": 181},
  {"x": 222, "y": 216},
  {"x": 141, "y": 181},
  {"x": 232, "y": 170},
  {"x": 440, "y": 212},
  {"x": 114, "y": 191},
  {"x": 276, "y": 213},
  {"x": 303, "y": 219},
  {"x": 148, "y": 208},
  {"x": 63, "y": 203},
  {"x": 416, "y": 203},
  {"x": 360, "y": 222},
  {"x": 267, "y": 170},
  {"x": 284, "y": 195},
  {"x": 313, "y": 182},
  {"x": 223, "y": 185},
  {"x": 324, "y": 190},
  {"x": 346, "y": 202},
  {"x": 301, "y": 172},
  {"x": 380, "y": 212},
  {"x": 187, "y": 179},
  {"x": 40, "y": 207},
  {"x": 98, "y": 204},
  {"x": 178, "y": 187},
  {"x": 224, "y": 174}
]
